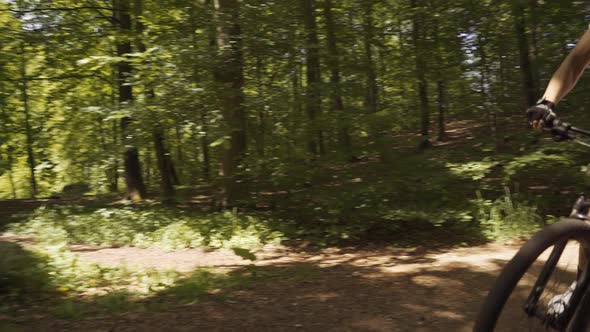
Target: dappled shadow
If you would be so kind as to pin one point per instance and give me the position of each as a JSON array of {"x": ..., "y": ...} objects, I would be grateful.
[
  {"x": 15, "y": 210},
  {"x": 25, "y": 280},
  {"x": 345, "y": 291},
  {"x": 24, "y": 277}
]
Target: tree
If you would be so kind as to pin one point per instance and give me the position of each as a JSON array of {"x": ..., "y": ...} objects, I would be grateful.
[
  {"x": 230, "y": 79},
  {"x": 333, "y": 63},
  {"x": 528, "y": 81},
  {"x": 312, "y": 92},
  {"x": 418, "y": 39},
  {"x": 133, "y": 177},
  {"x": 165, "y": 164}
]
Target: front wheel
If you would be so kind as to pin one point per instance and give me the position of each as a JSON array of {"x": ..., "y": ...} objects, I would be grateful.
[{"x": 540, "y": 289}]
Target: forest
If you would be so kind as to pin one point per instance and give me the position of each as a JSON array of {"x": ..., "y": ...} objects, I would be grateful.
[{"x": 202, "y": 159}]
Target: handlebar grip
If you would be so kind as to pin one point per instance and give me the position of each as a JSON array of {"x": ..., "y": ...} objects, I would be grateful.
[{"x": 560, "y": 131}]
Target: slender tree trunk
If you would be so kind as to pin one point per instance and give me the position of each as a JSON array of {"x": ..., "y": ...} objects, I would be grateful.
[
  {"x": 115, "y": 184},
  {"x": 418, "y": 37},
  {"x": 114, "y": 180},
  {"x": 10, "y": 172},
  {"x": 203, "y": 114},
  {"x": 402, "y": 49},
  {"x": 371, "y": 88},
  {"x": 9, "y": 148},
  {"x": 533, "y": 5},
  {"x": 166, "y": 184},
  {"x": 206, "y": 166},
  {"x": 484, "y": 84},
  {"x": 503, "y": 88},
  {"x": 165, "y": 164},
  {"x": 148, "y": 168},
  {"x": 179, "y": 151},
  {"x": 136, "y": 190},
  {"x": 296, "y": 103},
  {"x": 313, "y": 98},
  {"x": 523, "y": 49},
  {"x": 229, "y": 75},
  {"x": 261, "y": 130},
  {"x": 108, "y": 172},
  {"x": 442, "y": 134},
  {"x": 28, "y": 129},
  {"x": 333, "y": 62},
  {"x": 440, "y": 100},
  {"x": 372, "y": 92}
]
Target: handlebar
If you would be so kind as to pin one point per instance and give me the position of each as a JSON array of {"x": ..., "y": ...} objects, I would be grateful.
[{"x": 562, "y": 131}]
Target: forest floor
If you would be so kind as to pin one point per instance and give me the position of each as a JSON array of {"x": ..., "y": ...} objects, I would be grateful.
[
  {"x": 435, "y": 282},
  {"x": 376, "y": 288}
]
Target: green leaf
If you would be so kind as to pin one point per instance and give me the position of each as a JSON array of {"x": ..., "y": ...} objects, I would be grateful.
[
  {"x": 244, "y": 253},
  {"x": 219, "y": 141}
]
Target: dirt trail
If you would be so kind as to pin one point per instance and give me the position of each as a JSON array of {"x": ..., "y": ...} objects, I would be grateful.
[{"x": 371, "y": 289}]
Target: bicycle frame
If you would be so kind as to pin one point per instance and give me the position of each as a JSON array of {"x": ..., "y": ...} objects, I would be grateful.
[{"x": 581, "y": 293}]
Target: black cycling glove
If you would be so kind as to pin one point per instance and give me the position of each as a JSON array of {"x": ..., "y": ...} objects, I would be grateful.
[{"x": 543, "y": 111}]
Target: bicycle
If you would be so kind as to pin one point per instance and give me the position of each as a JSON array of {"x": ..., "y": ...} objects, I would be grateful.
[{"x": 538, "y": 290}]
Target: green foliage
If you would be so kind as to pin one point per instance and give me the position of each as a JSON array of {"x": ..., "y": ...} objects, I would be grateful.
[
  {"x": 158, "y": 227},
  {"x": 75, "y": 116},
  {"x": 244, "y": 253},
  {"x": 507, "y": 216},
  {"x": 472, "y": 170},
  {"x": 547, "y": 157}
]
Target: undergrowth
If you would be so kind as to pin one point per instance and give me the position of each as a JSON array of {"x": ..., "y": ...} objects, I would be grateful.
[
  {"x": 440, "y": 194},
  {"x": 72, "y": 288},
  {"x": 161, "y": 228}
]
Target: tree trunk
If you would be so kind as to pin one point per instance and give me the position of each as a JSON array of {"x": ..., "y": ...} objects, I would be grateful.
[
  {"x": 9, "y": 149},
  {"x": 10, "y": 172},
  {"x": 114, "y": 187},
  {"x": 371, "y": 93},
  {"x": 108, "y": 172},
  {"x": 371, "y": 89},
  {"x": 28, "y": 129},
  {"x": 402, "y": 50},
  {"x": 165, "y": 164},
  {"x": 148, "y": 168},
  {"x": 523, "y": 49},
  {"x": 179, "y": 153},
  {"x": 333, "y": 62},
  {"x": 533, "y": 5},
  {"x": 296, "y": 103},
  {"x": 133, "y": 178},
  {"x": 261, "y": 130},
  {"x": 442, "y": 135},
  {"x": 203, "y": 114},
  {"x": 230, "y": 78},
  {"x": 114, "y": 180},
  {"x": 440, "y": 65},
  {"x": 206, "y": 166},
  {"x": 313, "y": 98},
  {"x": 166, "y": 184},
  {"x": 418, "y": 37}
]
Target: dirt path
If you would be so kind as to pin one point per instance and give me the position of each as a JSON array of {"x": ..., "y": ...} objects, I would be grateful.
[{"x": 372, "y": 289}]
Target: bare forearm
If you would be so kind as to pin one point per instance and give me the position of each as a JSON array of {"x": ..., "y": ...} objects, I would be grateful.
[{"x": 569, "y": 72}]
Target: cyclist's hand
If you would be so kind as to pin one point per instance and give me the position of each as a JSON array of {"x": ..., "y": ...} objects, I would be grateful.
[{"x": 541, "y": 115}]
